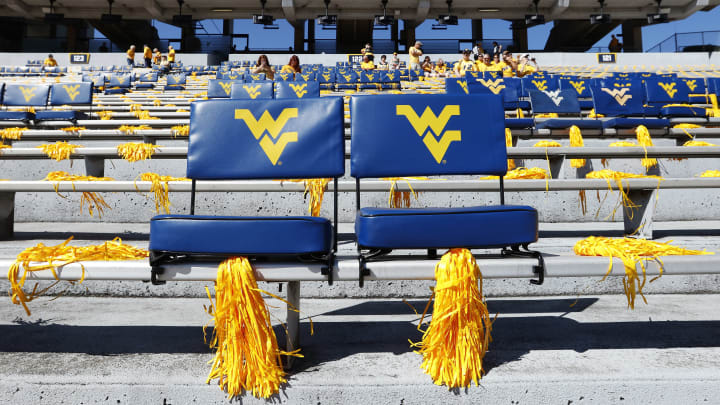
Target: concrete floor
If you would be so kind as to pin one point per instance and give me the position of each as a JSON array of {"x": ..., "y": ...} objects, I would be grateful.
[{"x": 150, "y": 351}]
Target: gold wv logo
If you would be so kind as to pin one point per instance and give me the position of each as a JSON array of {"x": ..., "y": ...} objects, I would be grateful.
[
  {"x": 299, "y": 89},
  {"x": 619, "y": 94},
  {"x": 669, "y": 88},
  {"x": 28, "y": 93},
  {"x": 326, "y": 76},
  {"x": 252, "y": 91},
  {"x": 691, "y": 84},
  {"x": 120, "y": 80},
  {"x": 226, "y": 86},
  {"x": 540, "y": 84},
  {"x": 72, "y": 91},
  {"x": 495, "y": 86},
  {"x": 578, "y": 86},
  {"x": 463, "y": 85},
  {"x": 273, "y": 147},
  {"x": 429, "y": 126}
]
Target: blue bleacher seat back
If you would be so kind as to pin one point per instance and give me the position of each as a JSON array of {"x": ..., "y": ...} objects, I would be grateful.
[
  {"x": 252, "y": 91},
  {"x": 26, "y": 95},
  {"x": 218, "y": 88},
  {"x": 309, "y": 89}
]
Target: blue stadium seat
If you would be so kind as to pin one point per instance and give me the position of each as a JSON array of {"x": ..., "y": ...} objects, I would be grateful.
[
  {"x": 147, "y": 81},
  {"x": 218, "y": 88},
  {"x": 260, "y": 139},
  {"x": 118, "y": 84},
  {"x": 23, "y": 95},
  {"x": 309, "y": 89},
  {"x": 284, "y": 77},
  {"x": 561, "y": 102},
  {"x": 67, "y": 94},
  {"x": 231, "y": 75},
  {"x": 425, "y": 135},
  {"x": 623, "y": 102},
  {"x": 176, "y": 81},
  {"x": 255, "y": 77},
  {"x": 660, "y": 92},
  {"x": 305, "y": 76},
  {"x": 390, "y": 80},
  {"x": 347, "y": 81},
  {"x": 252, "y": 91},
  {"x": 581, "y": 87},
  {"x": 538, "y": 83}
]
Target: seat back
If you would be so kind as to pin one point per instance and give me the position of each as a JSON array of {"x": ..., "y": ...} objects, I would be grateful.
[
  {"x": 540, "y": 83},
  {"x": 370, "y": 76},
  {"x": 266, "y": 139},
  {"x": 71, "y": 93},
  {"x": 284, "y": 77},
  {"x": 305, "y": 76},
  {"x": 252, "y": 91},
  {"x": 347, "y": 77},
  {"x": 581, "y": 86},
  {"x": 150, "y": 77},
  {"x": 309, "y": 89},
  {"x": 492, "y": 74},
  {"x": 220, "y": 88},
  {"x": 120, "y": 81},
  {"x": 614, "y": 98},
  {"x": 178, "y": 79},
  {"x": 421, "y": 134},
  {"x": 659, "y": 91},
  {"x": 392, "y": 76},
  {"x": 255, "y": 77},
  {"x": 693, "y": 85},
  {"x": 459, "y": 86},
  {"x": 556, "y": 101},
  {"x": 327, "y": 76},
  {"x": 230, "y": 75},
  {"x": 491, "y": 85},
  {"x": 26, "y": 95}
]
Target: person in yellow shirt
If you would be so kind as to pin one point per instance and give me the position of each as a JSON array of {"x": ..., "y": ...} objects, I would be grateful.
[
  {"x": 157, "y": 57},
  {"x": 367, "y": 64},
  {"x": 427, "y": 66},
  {"x": 131, "y": 55},
  {"x": 465, "y": 64},
  {"x": 147, "y": 55},
  {"x": 293, "y": 66},
  {"x": 440, "y": 69},
  {"x": 524, "y": 68},
  {"x": 50, "y": 61},
  {"x": 483, "y": 63},
  {"x": 415, "y": 52},
  {"x": 171, "y": 55},
  {"x": 510, "y": 64}
]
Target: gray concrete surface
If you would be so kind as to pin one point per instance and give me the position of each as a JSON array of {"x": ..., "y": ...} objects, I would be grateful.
[{"x": 544, "y": 351}]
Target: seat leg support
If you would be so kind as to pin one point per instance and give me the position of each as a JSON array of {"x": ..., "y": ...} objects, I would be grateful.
[
  {"x": 95, "y": 166},
  {"x": 539, "y": 270},
  {"x": 556, "y": 164},
  {"x": 7, "y": 214},
  {"x": 329, "y": 270},
  {"x": 293, "y": 319},
  {"x": 638, "y": 220}
]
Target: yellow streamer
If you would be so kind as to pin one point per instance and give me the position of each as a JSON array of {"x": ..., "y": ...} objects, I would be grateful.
[
  {"x": 593, "y": 114},
  {"x": 135, "y": 107},
  {"x": 132, "y": 129},
  {"x": 547, "y": 144},
  {"x": 522, "y": 173},
  {"x": 710, "y": 173},
  {"x": 698, "y": 143},
  {"x": 576, "y": 140},
  {"x": 631, "y": 252},
  {"x": 617, "y": 177},
  {"x": 59, "y": 150},
  {"x": 644, "y": 140},
  {"x": 105, "y": 115},
  {"x": 180, "y": 130},
  {"x": 247, "y": 357},
  {"x": 58, "y": 256},
  {"x": 399, "y": 199},
  {"x": 14, "y": 133},
  {"x": 454, "y": 344},
  {"x": 508, "y": 144},
  {"x": 316, "y": 188},
  {"x": 73, "y": 130},
  {"x": 134, "y": 151},
  {"x": 160, "y": 189},
  {"x": 92, "y": 199}
]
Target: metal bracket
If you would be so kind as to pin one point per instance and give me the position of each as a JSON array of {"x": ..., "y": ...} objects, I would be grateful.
[
  {"x": 539, "y": 269},
  {"x": 328, "y": 271},
  {"x": 362, "y": 262}
]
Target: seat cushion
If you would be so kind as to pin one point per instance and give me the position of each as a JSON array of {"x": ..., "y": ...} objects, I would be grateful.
[
  {"x": 175, "y": 87},
  {"x": 559, "y": 123},
  {"x": 16, "y": 116},
  {"x": 683, "y": 112},
  {"x": 116, "y": 91},
  {"x": 586, "y": 104},
  {"x": 519, "y": 123},
  {"x": 144, "y": 86},
  {"x": 469, "y": 227},
  {"x": 240, "y": 235},
  {"x": 49, "y": 115},
  {"x": 634, "y": 122}
]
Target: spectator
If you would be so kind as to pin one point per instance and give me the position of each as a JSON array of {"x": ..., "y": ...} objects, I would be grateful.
[
  {"x": 427, "y": 66},
  {"x": 383, "y": 64},
  {"x": 131, "y": 55},
  {"x": 497, "y": 48},
  {"x": 164, "y": 65},
  {"x": 157, "y": 58},
  {"x": 615, "y": 45},
  {"x": 367, "y": 50},
  {"x": 50, "y": 61},
  {"x": 293, "y": 65},
  {"x": 415, "y": 52},
  {"x": 524, "y": 68},
  {"x": 171, "y": 55},
  {"x": 395, "y": 62},
  {"x": 484, "y": 64},
  {"x": 263, "y": 66},
  {"x": 465, "y": 64},
  {"x": 477, "y": 50},
  {"x": 147, "y": 55},
  {"x": 440, "y": 69},
  {"x": 367, "y": 64},
  {"x": 510, "y": 64}
]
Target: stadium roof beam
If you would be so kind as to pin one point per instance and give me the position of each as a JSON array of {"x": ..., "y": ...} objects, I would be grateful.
[
  {"x": 693, "y": 6},
  {"x": 558, "y": 8},
  {"x": 288, "y": 7},
  {"x": 154, "y": 9},
  {"x": 19, "y": 7}
]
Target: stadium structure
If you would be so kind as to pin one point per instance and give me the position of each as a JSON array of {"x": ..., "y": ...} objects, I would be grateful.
[{"x": 505, "y": 230}]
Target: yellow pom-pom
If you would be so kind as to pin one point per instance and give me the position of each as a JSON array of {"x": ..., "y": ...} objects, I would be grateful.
[
  {"x": 576, "y": 140},
  {"x": 644, "y": 140},
  {"x": 93, "y": 200},
  {"x": 134, "y": 151},
  {"x": 160, "y": 189},
  {"x": 60, "y": 150}
]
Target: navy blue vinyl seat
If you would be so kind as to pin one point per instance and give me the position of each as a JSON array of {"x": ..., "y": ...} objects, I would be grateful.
[
  {"x": 581, "y": 87},
  {"x": 23, "y": 95},
  {"x": 425, "y": 135},
  {"x": 309, "y": 89},
  {"x": 559, "y": 102},
  {"x": 347, "y": 81},
  {"x": 252, "y": 91},
  {"x": 229, "y": 75},
  {"x": 220, "y": 88},
  {"x": 622, "y": 102},
  {"x": 669, "y": 98},
  {"x": 256, "y": 139},
  {"x": 147, "y": 81},
  {"x": 62, "y": 94},
  {"x": 513, "y": 91},
  {"x": 176, "y": 81},
  {"x": 118, "y": 84}
]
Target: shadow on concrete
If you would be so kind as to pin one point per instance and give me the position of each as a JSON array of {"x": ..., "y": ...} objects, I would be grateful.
[{"x": 91, "y": 236}]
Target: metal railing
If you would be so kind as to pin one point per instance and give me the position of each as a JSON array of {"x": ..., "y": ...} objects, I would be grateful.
[{"x": 686, "y": 41}]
